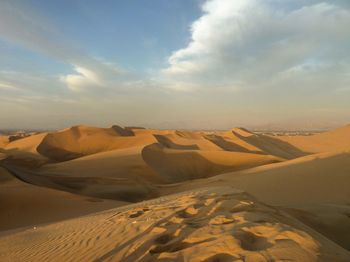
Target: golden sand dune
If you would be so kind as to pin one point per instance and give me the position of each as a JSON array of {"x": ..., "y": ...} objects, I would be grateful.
[
  {"x": 335, "y": 140},
  {"x": 97, "y": 166},
  {"x": 218, "y": 224},
  {"x": 179, "y": 165},
  {"x": 267, "y": 144},
  {"x": 23, "y": 151},
  {"x": 80, "y": 141},
  {"x": 229, "y": 142},
  {"x": 98, "y": 186},
  {"x": 23, "y": 204},
  {"x": 124, "y": 163},
  {"x": 4, "y": 140},
  {"x": 308, "y": 180},
  {"x": 27, "y": 144},
  {"x": 182, "y": 140},
  {"x": 314, "y": 188}
]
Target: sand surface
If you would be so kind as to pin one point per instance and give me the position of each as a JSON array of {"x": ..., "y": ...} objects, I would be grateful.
[
  {"x": 246, "y": 196},
  {"x": 219, "y": 224},
  {"x": 23, "y": 204}
]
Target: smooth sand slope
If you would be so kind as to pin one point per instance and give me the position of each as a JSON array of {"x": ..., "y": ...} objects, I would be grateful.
[
  {"x": 335, "y": 140},
  {"x": 214, "y": 224},
  {"x": 24, "y": 150},
  {"x": 4, "y": 140},
  {"x": 177, "y": 165},
  {"x": 23, "y": 204}
]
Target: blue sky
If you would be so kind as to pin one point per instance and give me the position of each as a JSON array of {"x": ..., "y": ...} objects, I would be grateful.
[
  {"x": 137, "y": 34},
  {"x": 174, "y": 64}
]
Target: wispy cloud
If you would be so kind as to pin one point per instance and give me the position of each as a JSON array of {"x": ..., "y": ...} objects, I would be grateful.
[
  {"x": 20, "y": 25},
  {"x": 8, "y": 86}
]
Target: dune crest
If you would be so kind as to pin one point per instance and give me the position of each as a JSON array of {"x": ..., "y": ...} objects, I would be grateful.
[{"x": 80, "y": 141}]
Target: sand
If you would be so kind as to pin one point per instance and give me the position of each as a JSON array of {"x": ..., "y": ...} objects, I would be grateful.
[
  {"x": 314, "y": 188},
  {"x": 334, "y": 140},
  {"x": 246, "y": 196},
  {"x": 4, "y": 140},
  {"x": 27, "y": 205},
  {"x": 214, "y": 224}
]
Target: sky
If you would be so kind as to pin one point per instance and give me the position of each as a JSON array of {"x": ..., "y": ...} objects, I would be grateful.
[{"x": 189, "y": 64}]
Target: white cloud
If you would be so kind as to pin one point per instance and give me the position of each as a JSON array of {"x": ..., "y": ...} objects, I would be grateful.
[
  {"x": 248, "y": 43},
  {"x": 82, "y": 79}
]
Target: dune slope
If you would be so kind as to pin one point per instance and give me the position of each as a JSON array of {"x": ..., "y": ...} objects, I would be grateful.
[
  {"x": 23, "y": 204},
  {"x": 314, "y": 188},
  {"x": 80, "y": 141},
  {"x": 202, "y": 225},
  {"x": 177, "y": 165},
  {"x": 334, "y": 140}
]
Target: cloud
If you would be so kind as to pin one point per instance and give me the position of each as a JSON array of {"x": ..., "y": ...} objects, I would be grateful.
[
  {"x": 98, "y": 75},
  {"x": 8, "y": 87},
  {"x": 21, "y": 25},
  {"x": 84, "y": 78},
  {"x": 252, "y": 43}
]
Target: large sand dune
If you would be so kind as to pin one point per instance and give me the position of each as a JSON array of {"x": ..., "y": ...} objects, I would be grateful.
[
  {"x": 83, "y": 140},
  {"x": 177, "y": 165},
  {"x": 23, "y": 204},
  {"x": 315, "y": 188},
  {"x": 335, "y": 140}
]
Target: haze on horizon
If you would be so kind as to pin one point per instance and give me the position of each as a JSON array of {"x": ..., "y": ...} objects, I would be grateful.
[{"x": 174, "y": 64}]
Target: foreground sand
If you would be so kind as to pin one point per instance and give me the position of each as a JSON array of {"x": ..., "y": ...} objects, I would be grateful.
[{"x": 214, "y": 224}]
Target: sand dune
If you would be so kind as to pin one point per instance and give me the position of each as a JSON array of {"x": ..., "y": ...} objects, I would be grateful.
[
  {"x": 311, "y": 179},
  {"x": 23, "y": 204},
  {"x": 80, "y": 141},
  {"x": 23, "y": 151},
  {"x": 4, "y": 140},
  {"x": 182, "y": 140},
  {"x": 268, "y": 145},
  {"x": 120, "y": 163},
  {"x": 122, "y": 189},
  {"x": 131, "y": 162},
  {"x": 207, "y": 225},
  {"x": 334, "y": 140},
  {"x": 178, "y": 165},
  {"x": 131, "y": 174},
  {"x": 81, "y": 170},
  {"x": 315, "y": 188}
]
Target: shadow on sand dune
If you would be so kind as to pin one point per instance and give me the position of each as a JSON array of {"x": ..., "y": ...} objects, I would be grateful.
[
  {"x": 272, "y": 146},
  {"x": 100, "y": 187},
  {"x": 166, "y": 142},
  {"x": 228, "y": 145}
]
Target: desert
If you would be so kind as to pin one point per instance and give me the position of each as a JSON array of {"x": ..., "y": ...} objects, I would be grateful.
[
  {"x": 186, "y": 131},
  {"x": 124, "y": 194}
]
